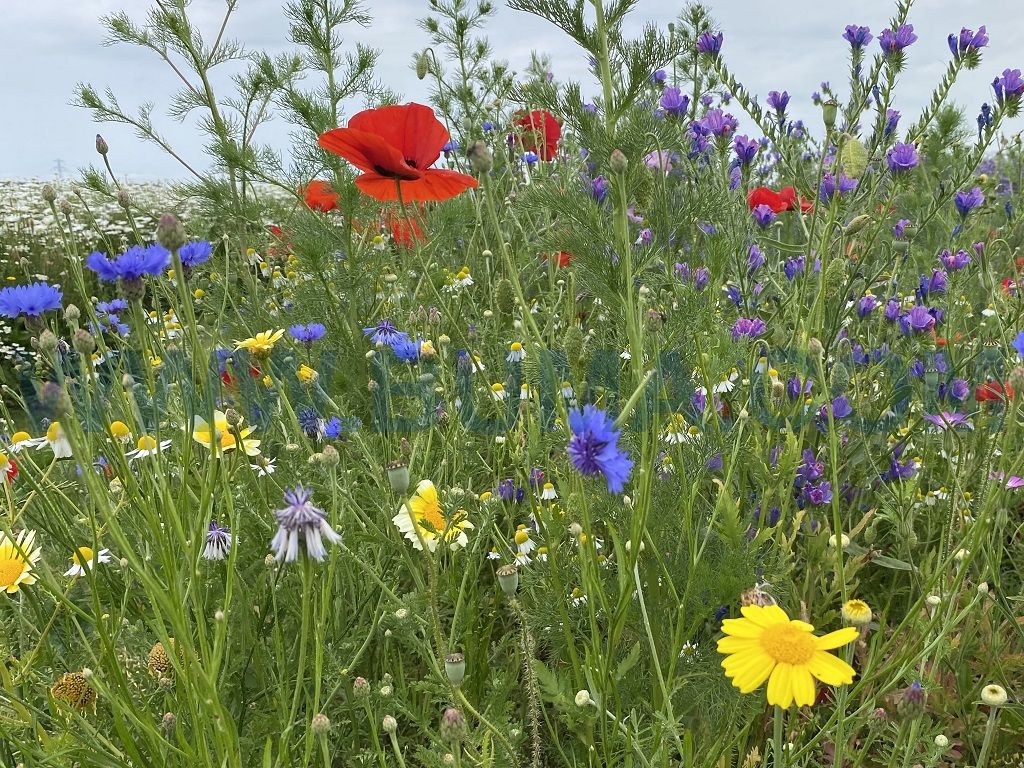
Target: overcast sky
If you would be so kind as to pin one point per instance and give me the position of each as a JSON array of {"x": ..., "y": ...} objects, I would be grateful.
[{"x": 46, "y": 46}]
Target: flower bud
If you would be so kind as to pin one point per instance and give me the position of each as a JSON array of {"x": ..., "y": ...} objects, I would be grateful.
[
  {"x": 65, "y": 207},
  {"x": 829, "y": 110},
  {"x": 857, "y": 224},
  {"x": 169, "y": 721},
  {"x": 815, "y": 347},
  {"x": 360, "y": 688},
  {"x": 49, "y": 193},
  {"x": 398, "y": 476},
  {"x": 101, "y": 145},
  {"x": 455, "y": 668},
  {"x": 170, "y": 233},
  {"x": 508, "y": 579},
  {"x": 912, "y": 701},
  {"x": 993, "y": 695},
  {"x": 83, "y": 342},
  {"x": 480, "y": 157},
  {"x": 320, "y": 724},
  {"x": 48, "y": 342},
  {"x": 232, "y": 417},
  {"x": 453, "y": 726},
  {"x": 422, "y": 65},
  {"x": 583, "y": 698},
  {"x": 618, "y": 162},
  {"x": 72, "y": 314},
  {"x": 389, "y": 724},
  {"x": 331, "y": 457},
  {"x": 124, "y": 199},
  {"x": 941, "y": 741}
]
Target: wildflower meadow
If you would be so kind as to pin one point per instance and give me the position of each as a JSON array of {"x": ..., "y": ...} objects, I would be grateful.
[{"x": 519, "y": 421}]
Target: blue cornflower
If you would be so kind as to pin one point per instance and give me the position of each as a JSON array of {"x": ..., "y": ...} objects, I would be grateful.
[
  {"x": 133, "y": 264},
  {"x": 967, "y": 201},
  {"x": 218, "y": 542},
  {"x": 111, "y": 307},
  {"x": 307, "y": 334},
  {"x": 594, "y": 448},
  {"x": 334, "y": 428},
  {"x": 487, "y": 126},
  {"x": 195, "y": 253},
  {"x": 407, "y": 350},
  {"x": 1018, "y": 344},
  {"x": 301, "y": 519},
  {"x": 385, "y": 332},
  {"x": 29, "y": 300},
  {"x": 311, "y": 424}
]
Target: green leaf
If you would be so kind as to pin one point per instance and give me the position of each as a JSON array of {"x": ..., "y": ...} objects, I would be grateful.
[{"x": 629, "y": 662}]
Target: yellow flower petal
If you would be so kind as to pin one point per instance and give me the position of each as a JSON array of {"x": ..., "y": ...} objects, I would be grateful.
[
  {"x": 837, "y": 639},
  {"x": 830, "y": 669},
  {"x": 780, "y": 686},
  {"x": 803, "y": 686}
]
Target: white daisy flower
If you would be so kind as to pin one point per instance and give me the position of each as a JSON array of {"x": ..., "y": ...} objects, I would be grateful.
[{"x": 83, "y": 560}]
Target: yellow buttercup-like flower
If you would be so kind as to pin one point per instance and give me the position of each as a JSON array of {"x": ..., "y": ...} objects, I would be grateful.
[
  {"x": 17, "y": 556},
  {"x": 220, "y": 437},
  {"x": 423, "y": 518},
  {"x": 306, "y": 375},
  {"x": 767, "y": 645},
  {"x": 262, "y": 344}
]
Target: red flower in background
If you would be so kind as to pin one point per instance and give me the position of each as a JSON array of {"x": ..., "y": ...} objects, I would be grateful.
[
  {"x": 783, "y": 200},
  {"x": 993, "y": 391},
  {"x": 8, "y": 468},
  {"x": 394, "y": 147},
  {"x": 320, "y": 196},
  {"x": 539, "y": 131},
  {"x": 404, "y": 232},
  {"x": 562, "y": 258}
]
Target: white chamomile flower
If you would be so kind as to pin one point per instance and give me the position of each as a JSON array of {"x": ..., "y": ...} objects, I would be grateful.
[
  {"x": 146, "y": 446},
  {"x": 84, "y": 559},
  {"x": 516, "y": 352},
  {"x": 548, "y": 492}
]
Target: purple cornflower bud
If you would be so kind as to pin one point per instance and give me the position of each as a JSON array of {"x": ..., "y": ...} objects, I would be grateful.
[
  {"x": 901, "y": 158},
  {"x": 857, "y": 37},
  {"x": 893, "y": 41},
  {"x": 892, "y": 118}
]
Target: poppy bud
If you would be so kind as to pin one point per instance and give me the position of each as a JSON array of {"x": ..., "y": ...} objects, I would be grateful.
[
  {"x": 505, "y": 296},
  {"x": 853, "y": 157},
  {"x": 453, "y": 726},
  {"x": 618, "y": 162},
  {"x": 124, "y": 199},
  {"x": 83, "y": 342},
  {"x": 101, "y": 145},
  {"x": 508, "y": 579},
  {"x": 829, "y": 110},
  {"x": 455, "y": 668},
  {"x": 858, "y": 223},
  {"x": 170, "y": 233},
  {"x": 422, "y": 65},
  {"x": 480, "y": 157}
]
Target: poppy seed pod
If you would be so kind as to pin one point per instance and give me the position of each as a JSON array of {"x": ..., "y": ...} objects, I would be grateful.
[
  {"x": 508, "y": 579},
  {"x": 398, "y": 476},
  {"x": 455, "y": 668}
]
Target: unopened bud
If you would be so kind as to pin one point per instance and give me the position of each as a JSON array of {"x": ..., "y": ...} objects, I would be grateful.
[
  {"x": 829, "y": 110},
  {"x": 83, "y": 342},
  {"x": 72, "y": 314},
  {"x": 65, "y": 207},
  {"x": 618, "y": 162},
  {"x": 101, "y": 145},
  {"x": 453, "y": 726},
  {"x": 480, "y": 157},
  {"x": 508, "y": 579},
  {"x": 49, "y": 193},
  {"x": 389, "y": 724},
  {"x": 232, "y": 417},
  {"x": 170, "y": 233},
  {"x": 331, "y": 457},
  {"x": 124, "y": 199},
  {"x": 422, "y": 65},
  {"x": 320, "y": 724},
  {"x": 858, "y": 223},
  {"x": 48, "y": 342}
]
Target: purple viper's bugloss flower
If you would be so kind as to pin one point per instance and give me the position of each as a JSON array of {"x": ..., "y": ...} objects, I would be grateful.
[
  {"x": 892, "y": 119},
  {"x": 674, "y": 102},
  {"x": 867, "y": 305},
  {"x": 659, "y": 76},
  {"x": 749, "y": 327},
  {"x": 794, "y": 266},
  {"x": 599, "y": 188},
  {"x": 755, "y": 259},
  {"x": 968, "y": 41},
  {"x": 900, "y": 228},
  {"x": 1009, "y": 86},
  {"x": 966, "y": 202},
  {"x": 856, "y": 36},
  {"x": 778, "y": 101},
  {"x": 954, "y": 261},
  {"x": 892, "y": 310},
  {"x": 817, "y": 495},
  {"x": 593, "y": 447},
  {"x": 893, "y": 41},
  {"x": 832, "y": 185},
  {"x": 701, "y": 278},
  {"x": 919, "y": 319},
  {"x": 746, "y": 149},
  {"x": 719, "y": 123},
  {"x": 763, "y": 215},
  {"x": 901, "y": 158},
  {"x": 709, "y": 43}
]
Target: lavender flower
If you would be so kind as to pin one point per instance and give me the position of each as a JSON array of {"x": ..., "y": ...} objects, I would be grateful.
[
  {"x": 593, "y": 448},
  {"x": 300, "y": 519}
]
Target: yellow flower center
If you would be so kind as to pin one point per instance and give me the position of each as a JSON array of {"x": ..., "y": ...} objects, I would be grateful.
[
  {"x": 787, "y": 644},
  {"x": 54, "y": 431},
  {"x": 83, "y": 556},
  {"x": 516, "y": 346},
  {"x": 147, "y": 443},
  {"x": 20, "y": 437},
  {"x": 522, "y": 537},
  {"x": 10, "y": 571}
]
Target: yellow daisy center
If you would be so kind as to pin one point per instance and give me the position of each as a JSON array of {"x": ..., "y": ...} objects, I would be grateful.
[
  {"x": 787, "y": 644},
  {"x": 11, "y": 570},
  {"x": 83, "y": 556},
  {"x": 147, "y": 443}
]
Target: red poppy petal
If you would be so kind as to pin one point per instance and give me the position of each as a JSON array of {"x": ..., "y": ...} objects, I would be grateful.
[
  {"x": 320, "y": 196},
  {"x": 412, "y": 129},
  {"x": 435, "y": 184},
  {"x": 368, "y": 152},
  {"x": 765, "y": 196}
]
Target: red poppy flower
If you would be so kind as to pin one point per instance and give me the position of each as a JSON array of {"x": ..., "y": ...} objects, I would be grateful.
[
  {"x": 227, "y": 378},
  {"x": 320, "y": 196},
  {"x": 539, "y": 132},
  {"x": 783, "y": 200},
  {"x": 993, "y": 390},
  {"x": 404, "y": 232},
  {"x": 562, "y": 258},
  {"x": 394, "y": 147},
  {"x": 11, "y": 470}
]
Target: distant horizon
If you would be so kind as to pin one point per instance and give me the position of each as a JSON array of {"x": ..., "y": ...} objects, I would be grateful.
[{"x": 793, "y": 49}]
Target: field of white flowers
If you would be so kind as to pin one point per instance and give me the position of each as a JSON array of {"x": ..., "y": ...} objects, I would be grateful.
[{"x": 526, "y": 423}]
